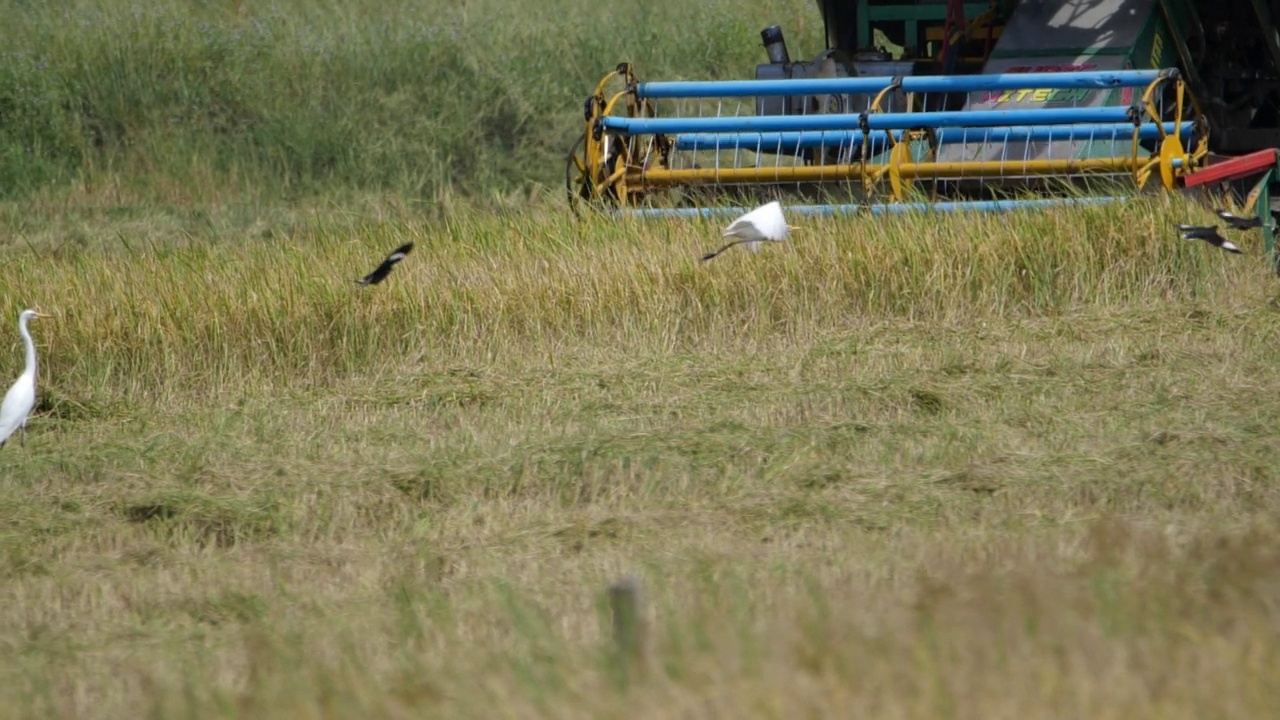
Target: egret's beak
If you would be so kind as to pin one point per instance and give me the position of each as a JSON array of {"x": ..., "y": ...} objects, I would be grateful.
[{"x": 43, "y": 316}]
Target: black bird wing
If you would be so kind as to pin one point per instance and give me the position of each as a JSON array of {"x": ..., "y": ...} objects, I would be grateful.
[
  {"x": 1235, "y": 220},
  {"x": 1198, "y": 232},
  {"x": 1226, "y": 244},
  {"x": 1210, "y": 234},
  {"x": 1240, "y": 223},
  {"x": 1213, "y": 237},
  {"x": 398, "y": 254},
  {"x": 380, "y": 273}
]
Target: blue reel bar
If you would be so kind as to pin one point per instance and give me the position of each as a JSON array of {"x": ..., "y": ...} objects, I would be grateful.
[
  {"x": 883, "y": 209},
  {"x": 912, "y": 84},
  {"x": 873, "y": 121},
  {"x": 791, "y": 141}
]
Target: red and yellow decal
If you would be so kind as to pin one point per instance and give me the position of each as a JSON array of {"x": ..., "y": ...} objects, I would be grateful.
[
  {"x": 1040, "y": 95},
  {"x": 1065, "y": 67},
  {"x": 1048, "y": 95}
]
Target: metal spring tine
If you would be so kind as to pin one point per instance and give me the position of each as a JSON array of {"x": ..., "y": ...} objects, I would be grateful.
[
  {"x": 1004, "y": 154},
  {"x": 795, "y": 155},
  {"x": 1111, "y": 146},
  {"x": 737, "y": 147},
  {"x": 1028, "y": 149},
  {"x": 777, "y": 162}
]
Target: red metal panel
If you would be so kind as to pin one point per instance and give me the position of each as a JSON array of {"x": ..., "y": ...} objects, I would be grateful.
[{"x": 1233, "y": 169}]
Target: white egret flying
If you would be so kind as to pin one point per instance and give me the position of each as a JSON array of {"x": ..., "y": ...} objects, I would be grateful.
[
  {"x": 380, "y": 273},
  {"x": 764, "y": 224},
  {"x": 21, "y": 398}
]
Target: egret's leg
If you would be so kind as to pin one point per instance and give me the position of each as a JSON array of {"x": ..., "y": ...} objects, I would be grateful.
[{"x": 22, "y": 429}]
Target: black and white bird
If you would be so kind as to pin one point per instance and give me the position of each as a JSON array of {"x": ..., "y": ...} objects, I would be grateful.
[
  {"x": 1239, "y": 223},
  {"x": 1208, "y": 233},
  {"x": 764, "y": 224},
  {"x": 380, "y": 273}
]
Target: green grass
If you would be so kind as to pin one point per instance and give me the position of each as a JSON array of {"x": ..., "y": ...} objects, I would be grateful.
[
  {"x": 181, "y": 100},
  {"x": 908, "y": 466},
  {"x": 918, "y": 467}
]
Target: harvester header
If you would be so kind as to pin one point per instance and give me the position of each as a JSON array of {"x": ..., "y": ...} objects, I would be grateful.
[
  {"x": 952, "y": 104},
  {"x": 647, "y": 142}
]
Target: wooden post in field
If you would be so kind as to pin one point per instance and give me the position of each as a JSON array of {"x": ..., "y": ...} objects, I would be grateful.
[{"x": 626, "y": 603}]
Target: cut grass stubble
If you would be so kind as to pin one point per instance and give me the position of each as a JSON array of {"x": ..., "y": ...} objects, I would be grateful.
[{"x": 959, "y": 466}]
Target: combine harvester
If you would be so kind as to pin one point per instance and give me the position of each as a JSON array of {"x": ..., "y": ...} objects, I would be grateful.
[{"x": 1029, "y": 102}]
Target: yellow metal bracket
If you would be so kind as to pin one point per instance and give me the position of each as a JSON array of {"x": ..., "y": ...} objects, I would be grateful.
[
  {"x": 899, "y": 156},
  {"x": 1171, "y": 150}
]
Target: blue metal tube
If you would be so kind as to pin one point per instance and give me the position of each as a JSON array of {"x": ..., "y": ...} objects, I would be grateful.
[
  {"x": 893, "y": 208},
  {"x": 791, "y": 141},
  {"x": 985, "y": 205},
  {"x": 1098, "y": 80},
  {"x": 875, "y": 121}
]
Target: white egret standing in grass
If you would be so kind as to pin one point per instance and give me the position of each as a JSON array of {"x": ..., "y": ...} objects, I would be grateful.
[
  {"x": 764, "y": 224},
  {"x": 21, "y": 398}
]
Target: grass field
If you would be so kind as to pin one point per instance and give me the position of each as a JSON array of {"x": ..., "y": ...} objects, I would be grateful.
[
  {"x": 918, "y": 468},
  {"x": 179, "y": 100},
  {"x": 1017, "y": 466}
]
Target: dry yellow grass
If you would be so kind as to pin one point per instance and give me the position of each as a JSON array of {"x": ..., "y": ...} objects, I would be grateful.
[{"x": 1007, "y": 466}]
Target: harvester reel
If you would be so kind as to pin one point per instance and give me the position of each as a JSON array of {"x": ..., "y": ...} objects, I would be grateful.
[
  {"x": 712, "y": 136},
  {"x": 600, "y": 163}
]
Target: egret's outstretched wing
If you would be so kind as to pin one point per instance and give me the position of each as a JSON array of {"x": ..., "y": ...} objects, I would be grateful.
[{"x": 764, "y": 223}]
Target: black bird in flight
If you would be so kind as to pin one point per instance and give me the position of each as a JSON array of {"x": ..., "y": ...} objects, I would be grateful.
[
  {"x": 1208, "y": 233},
  {"x": 1239, "y": 223},
  {"x": 380, "y": 273}
]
